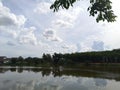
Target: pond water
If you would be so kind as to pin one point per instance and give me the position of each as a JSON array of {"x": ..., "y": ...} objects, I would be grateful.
[{"x": 30, "y": 78}]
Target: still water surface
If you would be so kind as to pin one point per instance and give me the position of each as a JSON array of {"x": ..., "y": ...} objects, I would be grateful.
[{"x": 57, "y": 79}]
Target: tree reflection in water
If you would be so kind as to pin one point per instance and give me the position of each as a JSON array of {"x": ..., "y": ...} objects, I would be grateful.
[{"x": 32, "y": 78}]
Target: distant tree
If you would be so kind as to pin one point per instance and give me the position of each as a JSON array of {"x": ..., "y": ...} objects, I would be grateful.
[
  {"x": 36, "y": 61},
  {"x": 56, "y": 58},
  {"x": 13, "y": 61},
  {"x": 102, "y": 9},
  {"x": 47, "y": 58},
  {"x": 20, "y": 60},
  {"x": 29, "y": 61}
]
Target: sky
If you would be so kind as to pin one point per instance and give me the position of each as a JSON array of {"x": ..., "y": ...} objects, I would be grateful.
[{"x": 30, "y": 28}]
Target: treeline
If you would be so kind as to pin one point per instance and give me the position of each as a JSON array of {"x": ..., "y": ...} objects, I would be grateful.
[
  {"x": 69, "y": 59},
  {"x": 95, "y": 57}
]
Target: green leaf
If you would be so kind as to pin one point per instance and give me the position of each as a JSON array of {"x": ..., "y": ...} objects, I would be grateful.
[{"x": 102, "y": 9}]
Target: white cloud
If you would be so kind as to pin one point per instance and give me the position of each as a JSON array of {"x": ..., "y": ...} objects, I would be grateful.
[
  {"x": 7, "y": 18},
  {"x": 112, "y": 36},
  {"x": 66, "y": 19},
  {"x": 57, "y": 39},
  {"x": 86, "y": 43},
  {"x": 69, "y": 47},
  {"x": 8, "y": 32},
  {"x": 70, "y": 15},
  {"x": 85, "y": 47},
  {"x": 10, "y": 23},
  {"x": 77, "y": 30},
  {"x": 64, "y": 46},
  {"x": 51, "y": 35},
  {"x": 22, "y": 35},
  {"x": 27, "y": 36},
  {"x": 42, "y": 8},
  {"x": 61, "y": 24},
  {"x": 63, "y": 20},
  {"x": 12, "y": 26}
]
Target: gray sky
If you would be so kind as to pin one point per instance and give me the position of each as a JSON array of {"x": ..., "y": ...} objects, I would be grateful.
[{"x": 30, "y": 28}]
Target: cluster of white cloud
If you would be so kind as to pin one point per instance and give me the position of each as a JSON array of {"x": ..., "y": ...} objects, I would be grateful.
[
  {"x": 91, "y": 43},
  {"x": 27, "y": 36},
  {"x": 69, "y": 47},
  {"x": 50, "y": 34},
  {"x": 12, "y": 25},
  {"x": 7, "y": 18},
  {"x": 91, "y": 46},
  {"x": 63, "y": 31},
  {"x": 62, "y": 20},
  {"x": 42, "y": 8},
  {"x": 66, "y": 19},
  {"x": 61, "y": 24}
]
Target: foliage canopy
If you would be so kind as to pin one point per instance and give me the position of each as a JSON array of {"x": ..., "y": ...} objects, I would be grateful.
[{"x": 102, "y": 9}]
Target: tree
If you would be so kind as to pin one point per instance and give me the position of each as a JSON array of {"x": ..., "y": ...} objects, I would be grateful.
[
  {"x": 56, "y": 58},
  {"x": 102, "y": 9},
  {"x": 47, "y": 58},
  {"x": 20, "y": 60},
  {"x": 13, "y": 61}
]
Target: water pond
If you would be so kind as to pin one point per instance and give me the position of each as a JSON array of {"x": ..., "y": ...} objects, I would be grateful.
[{"x": 32, "y": 78}]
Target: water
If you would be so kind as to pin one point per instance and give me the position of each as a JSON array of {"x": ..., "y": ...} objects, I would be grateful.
[{"x": 31, "y": 78}]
